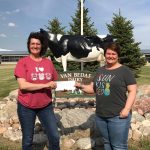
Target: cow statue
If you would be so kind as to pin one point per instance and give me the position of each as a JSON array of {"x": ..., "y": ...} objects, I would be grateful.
[{"x": 79, "y": 48}]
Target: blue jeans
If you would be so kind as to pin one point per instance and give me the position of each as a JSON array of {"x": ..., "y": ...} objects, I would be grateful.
[
  {"x": 114, "y": 132},
  {"x": 27, "y": 118}
]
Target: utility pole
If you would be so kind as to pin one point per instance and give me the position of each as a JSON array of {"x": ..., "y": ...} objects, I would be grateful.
[
  {"x": 81, "y": 17},
  {"x": 82, "y": 63}
]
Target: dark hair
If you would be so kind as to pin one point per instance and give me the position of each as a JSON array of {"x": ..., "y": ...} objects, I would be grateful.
[
  {"x": 43, "y": 40},
  {"x": 114, "y": 47}
]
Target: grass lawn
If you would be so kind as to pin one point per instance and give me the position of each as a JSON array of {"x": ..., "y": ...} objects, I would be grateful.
[
  {"x": 144, "y": 76},
  {"x": 7, "y": 80},
  {"x": 144, "y": 144},
  {"x": 5, "y": 144}
]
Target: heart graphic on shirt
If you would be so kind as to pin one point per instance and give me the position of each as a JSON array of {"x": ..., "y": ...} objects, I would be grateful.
[{"x": 41, "y": 69}]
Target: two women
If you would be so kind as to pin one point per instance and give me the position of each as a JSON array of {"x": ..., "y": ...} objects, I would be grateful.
[{"x": 36, "y": 77}]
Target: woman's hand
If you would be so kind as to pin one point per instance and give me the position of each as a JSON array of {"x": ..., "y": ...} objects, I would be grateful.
[
  {"x": 124, "y": 113},
  {"x": 88, "y": 88},
  {"x": 78, "y": 85},
  {"x": 130, "y": 100},
  {"x": 51, "y": 85}
]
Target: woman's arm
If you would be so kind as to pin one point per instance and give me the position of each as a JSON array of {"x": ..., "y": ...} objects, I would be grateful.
[
  {"x": 130, "y": 100},
  {"x": 85, "y": 88},
  {"x": 24, "y": 85}
]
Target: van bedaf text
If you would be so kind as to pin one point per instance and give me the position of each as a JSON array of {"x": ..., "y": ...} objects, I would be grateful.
[{"x": 75, "y": 76}]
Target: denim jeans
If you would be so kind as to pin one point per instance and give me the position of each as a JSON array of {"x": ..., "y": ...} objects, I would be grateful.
[
  {"x": 114, "y": 132},
  {"x": 47, "y": 118}
]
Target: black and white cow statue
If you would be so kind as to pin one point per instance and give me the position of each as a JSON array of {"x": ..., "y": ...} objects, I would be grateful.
[{"x": 79, "y": 48}]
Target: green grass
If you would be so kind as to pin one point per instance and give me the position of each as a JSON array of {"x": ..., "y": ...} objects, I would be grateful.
[
  {"x": 5, "y": 144},
  {"x": 144, "y": 76},
  {"x": 7, "y": 80},
  {"x": 143, "y": 144}
]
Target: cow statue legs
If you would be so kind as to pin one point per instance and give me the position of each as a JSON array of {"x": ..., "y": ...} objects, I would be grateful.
[
  {"x": 64, "y": 62},
  {"x": 101, "y": 59},
  {"x": 64, "y": 58}
]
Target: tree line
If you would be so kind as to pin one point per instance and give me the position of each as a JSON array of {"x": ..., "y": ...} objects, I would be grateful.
[{"x": 120, "y": 27}]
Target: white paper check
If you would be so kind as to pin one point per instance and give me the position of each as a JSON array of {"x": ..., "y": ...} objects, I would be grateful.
[{"x": 65, "y": 85}]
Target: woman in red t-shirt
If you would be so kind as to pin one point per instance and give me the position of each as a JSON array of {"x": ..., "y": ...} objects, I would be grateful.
[{"x": 36, "y": 77}]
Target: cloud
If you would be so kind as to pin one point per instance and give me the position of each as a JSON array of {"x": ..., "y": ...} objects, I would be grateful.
[
  {"x": 16, "y": 11},
  {"x": 3, "y": 35},
  {"x": 13, "y": 11},
  {"x": 8, "y": 12},
  {"x": 4, "y": 16},
  {"x": 11, "y": 24}
]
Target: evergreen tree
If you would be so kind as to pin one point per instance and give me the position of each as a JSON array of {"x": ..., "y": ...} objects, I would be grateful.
[
  {"x": 131, "y": 55},
  {"x": 55, "y": 27},
  {"x": 88, "y": 29}
]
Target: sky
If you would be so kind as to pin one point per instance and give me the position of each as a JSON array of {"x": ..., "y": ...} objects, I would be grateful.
[{"x": 20, "y": 17}]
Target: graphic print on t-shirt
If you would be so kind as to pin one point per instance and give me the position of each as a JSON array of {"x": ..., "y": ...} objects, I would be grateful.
[
  {"x": 40, "y": 74},
  {"x": 107, "y": 90},
  {"x": 103, "y": 84}
]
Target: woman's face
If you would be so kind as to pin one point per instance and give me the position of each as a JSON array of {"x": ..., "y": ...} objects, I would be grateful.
[
  {"x": 35, "y": 46},
  {"x": 111, "y": 57}
]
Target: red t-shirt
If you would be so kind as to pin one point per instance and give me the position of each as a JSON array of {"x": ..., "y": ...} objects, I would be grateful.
[{"x": 35, "y": 72}]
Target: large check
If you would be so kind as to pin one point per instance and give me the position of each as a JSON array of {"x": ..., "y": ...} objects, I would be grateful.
[{"x": 65, "y": 85}]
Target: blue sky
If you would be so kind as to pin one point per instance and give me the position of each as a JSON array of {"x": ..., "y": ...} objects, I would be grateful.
[{"x": 20, "y": 17}]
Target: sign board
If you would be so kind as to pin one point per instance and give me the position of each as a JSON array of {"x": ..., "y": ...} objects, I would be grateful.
[{"x": 66, "y": 82}]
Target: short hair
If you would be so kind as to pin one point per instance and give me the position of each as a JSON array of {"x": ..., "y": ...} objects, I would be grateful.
[
  {"x": 43, "y": 40},
  {"x": 114, "y": 46}
]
